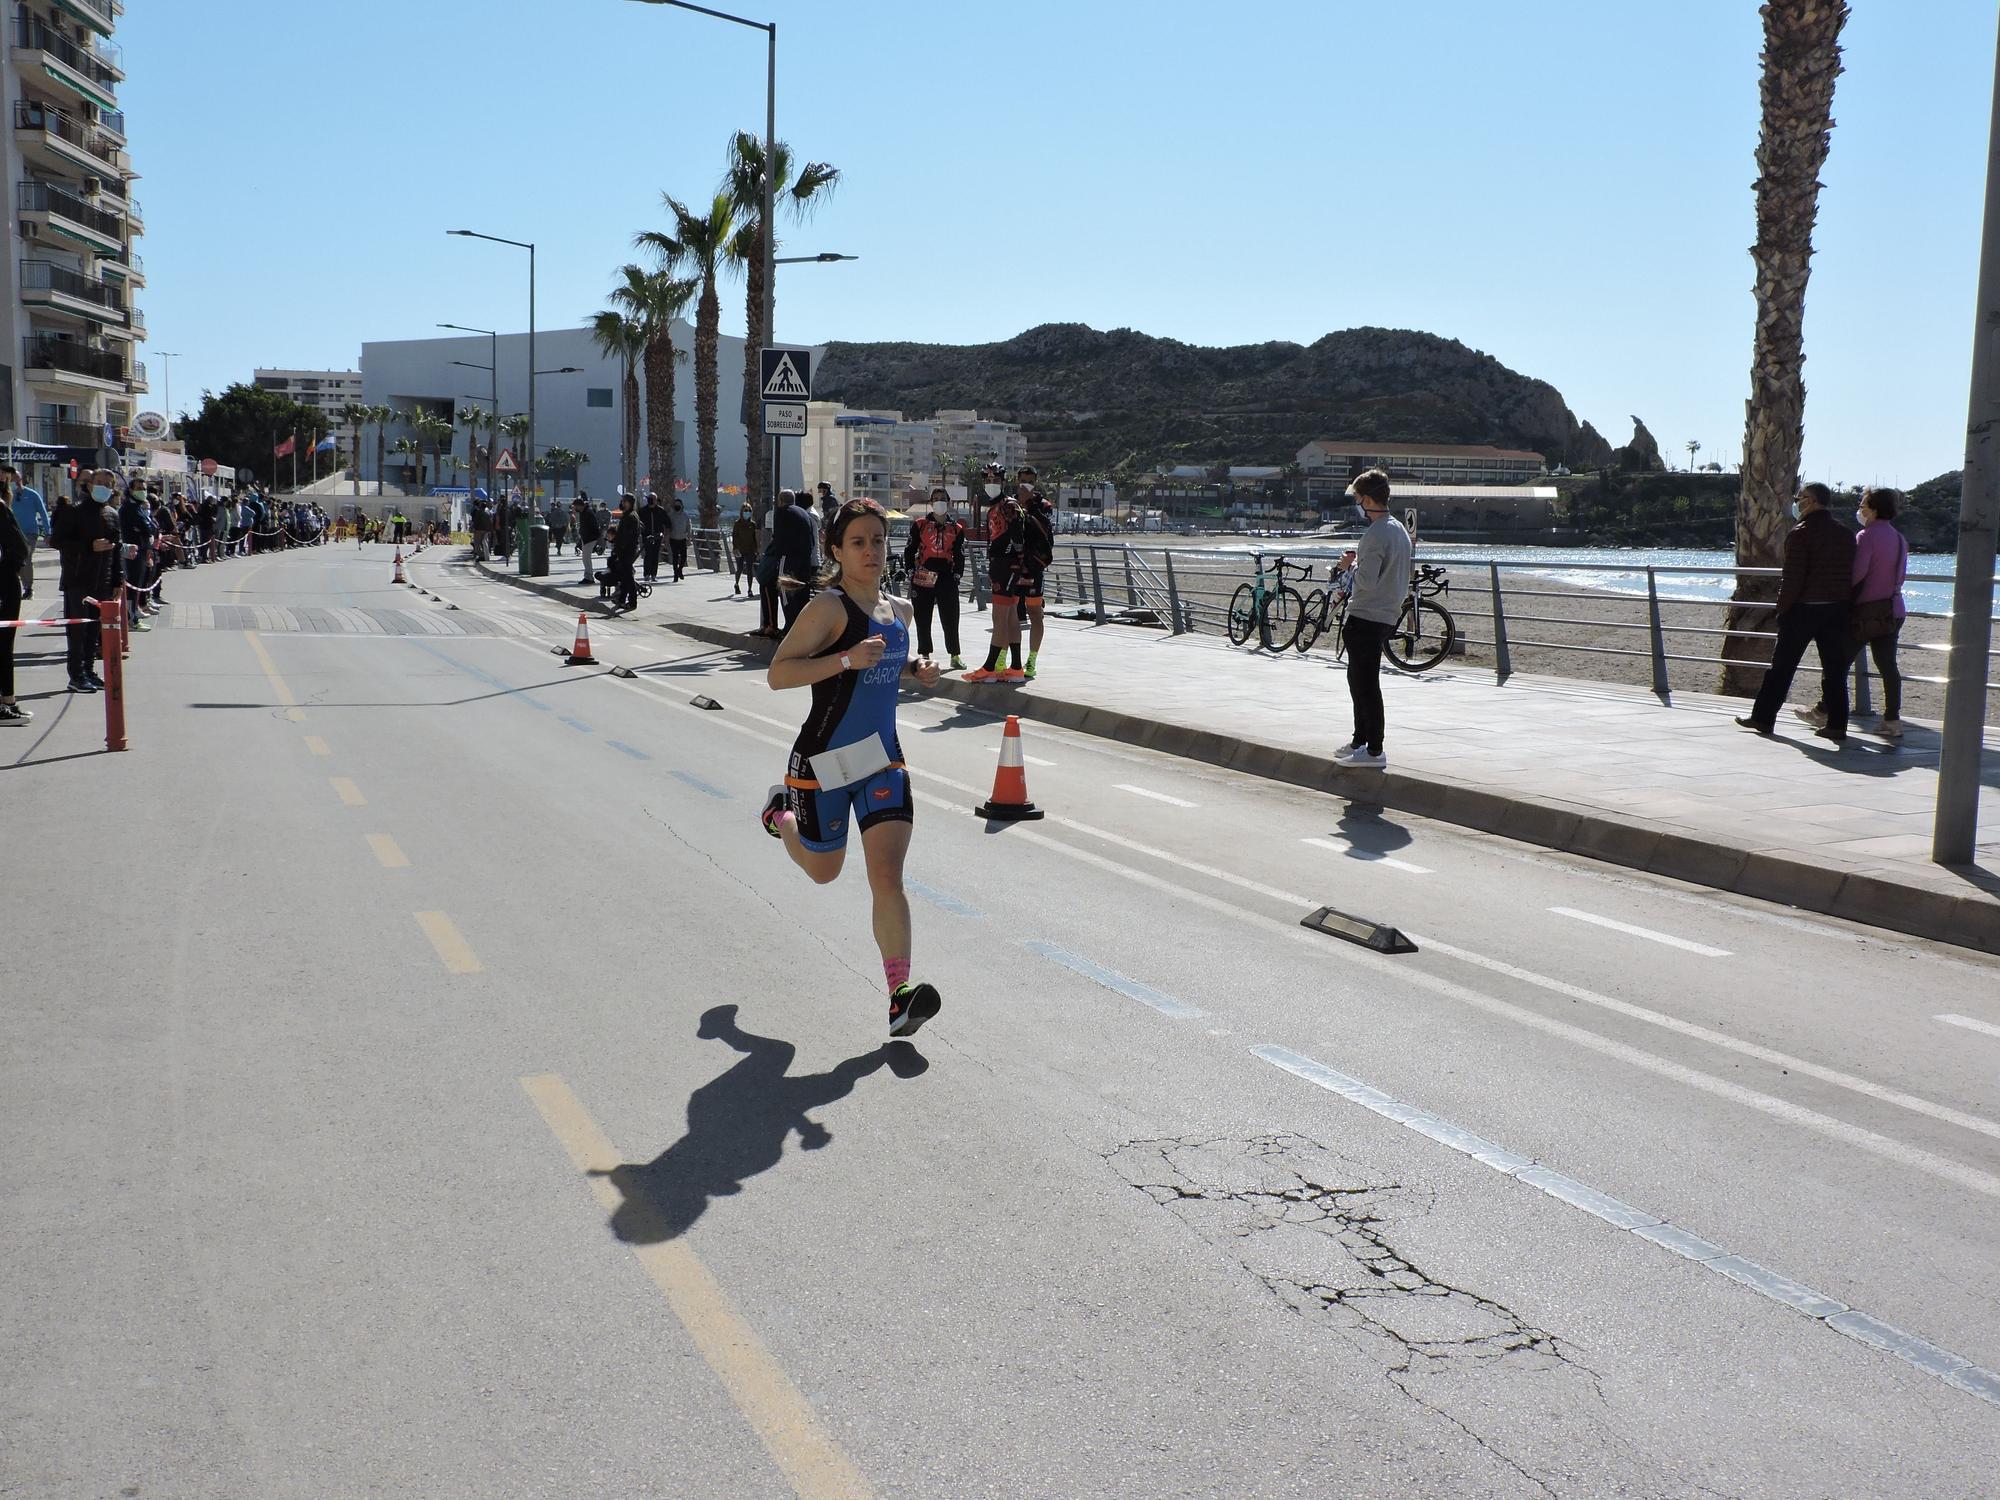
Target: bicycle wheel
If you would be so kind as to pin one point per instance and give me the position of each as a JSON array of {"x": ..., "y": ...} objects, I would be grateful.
[
  {"x": 1423, "y": 637},
  {"x": 1242, "y": 614},
  {"x": 1312, "y": 622},
  {"x": 1280, "y": 619}
]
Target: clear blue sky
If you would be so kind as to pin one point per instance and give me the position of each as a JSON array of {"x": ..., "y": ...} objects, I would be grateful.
[{"x": 1564, "y": 184}]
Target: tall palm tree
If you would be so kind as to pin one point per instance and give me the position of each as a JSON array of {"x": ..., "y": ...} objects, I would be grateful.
[
  {"x": 514, "y": 428},
  {"x": 436, "y": 433},
  {"x": 408, "y": 446},
  {"x": 1801, "y": 60},
  {"x": 795, "y": 198},
  {"x": 624, "y": 338},
  {"x": 381, "y": 416},
  {"x": 355, "y": 417},
  {"x": 474, "y": 419},
  {"x": 700, "y": 246},
  {"x": 655, "y": 299},
  {"x": 1693, "y": 447}
]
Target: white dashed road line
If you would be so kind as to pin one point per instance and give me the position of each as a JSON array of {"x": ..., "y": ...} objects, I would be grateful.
[
  {"x": 1341, "y": 846},
  {"x": 1985, "y": 1027},
  {"x": 1644, "y": 932},
  {"x": 1139, "y": 791}
]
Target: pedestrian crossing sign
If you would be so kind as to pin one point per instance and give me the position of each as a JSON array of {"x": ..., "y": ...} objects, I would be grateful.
[
  {"x": 505, "y": 463},
  {"x": 787, "y": 374}
]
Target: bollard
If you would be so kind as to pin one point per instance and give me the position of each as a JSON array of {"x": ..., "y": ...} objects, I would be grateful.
[
  {"x": 1096, "y": 587},
  {"x": 1863, "y": 701},
  {"x": 111, "y": 618},
  {"x": 1173, "y": 594},
  {"x": 1131, "y": 589},
  {"x": 1660, "y": 684},
  {"x": 1503, "y": 666}
]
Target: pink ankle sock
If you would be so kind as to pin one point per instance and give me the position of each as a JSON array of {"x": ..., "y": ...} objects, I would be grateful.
[{"x": 897, "y": 970}]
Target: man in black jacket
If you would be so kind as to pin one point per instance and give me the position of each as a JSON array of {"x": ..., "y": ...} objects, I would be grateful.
[
  {"x": 652, "y": 524},
  {"x": 625, "y": 537},
  {"x": 1813, "y": 605},
  {"x": 588, "y": 535},
  {"x": 795, "y": 540},
  {"x": 85, "y": 533}
]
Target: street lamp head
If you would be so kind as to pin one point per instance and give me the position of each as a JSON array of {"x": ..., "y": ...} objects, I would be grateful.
[{"x": 459, "y": 231}]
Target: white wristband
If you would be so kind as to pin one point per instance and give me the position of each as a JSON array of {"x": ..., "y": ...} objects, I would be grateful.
[{"x": 845, "y": 664}]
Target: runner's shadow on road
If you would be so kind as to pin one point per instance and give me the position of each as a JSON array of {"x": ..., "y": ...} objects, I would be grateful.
[
  {"x": 737, "y": 1127},
  {"x": 1363, "y": 826}
]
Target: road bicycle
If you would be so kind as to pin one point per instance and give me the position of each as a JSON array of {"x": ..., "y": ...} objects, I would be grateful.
[
  {"x": 1273, "y": 612},
  {"x": 1425, "y": 632}
]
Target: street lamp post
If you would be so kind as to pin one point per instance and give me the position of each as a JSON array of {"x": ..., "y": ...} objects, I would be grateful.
[
  {"x": 167, "y": 375},
  {"x": 527, "y": 245},
  {"x": 493, "y": 343}
]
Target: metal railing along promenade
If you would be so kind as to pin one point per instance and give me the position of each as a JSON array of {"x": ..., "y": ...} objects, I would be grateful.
[{"x": 1187, "y": 590}]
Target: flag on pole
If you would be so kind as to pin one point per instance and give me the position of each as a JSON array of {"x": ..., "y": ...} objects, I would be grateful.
[
  {"x": 325, "y": 445},
  {"x": 287, "y": 446}
]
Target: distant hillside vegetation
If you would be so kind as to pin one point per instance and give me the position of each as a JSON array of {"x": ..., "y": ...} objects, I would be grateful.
[{"x": 1102, "y": 400}]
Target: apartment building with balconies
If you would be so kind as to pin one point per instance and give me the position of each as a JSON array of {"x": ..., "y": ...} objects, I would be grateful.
[
  {"x": 325, "y": 391},
  {"x": 69, "y": 372}
]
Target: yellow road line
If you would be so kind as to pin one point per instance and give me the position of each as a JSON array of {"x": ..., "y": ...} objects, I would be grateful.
[
  {"x": 450, "y": 943},
  {"x": 271, "y": 672},
  {"x": 777, "y": 1411},
  {"x": 350, "y": 794},
  {"x": 317, "y": 745},
  {"x": 387, "y": 852}
]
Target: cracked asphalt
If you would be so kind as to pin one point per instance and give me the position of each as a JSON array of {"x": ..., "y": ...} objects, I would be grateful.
[{"x": 422, "y": 1077}]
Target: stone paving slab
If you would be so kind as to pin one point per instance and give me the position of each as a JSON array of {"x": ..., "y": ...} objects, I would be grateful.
[{"x": 1599, "y": 769}]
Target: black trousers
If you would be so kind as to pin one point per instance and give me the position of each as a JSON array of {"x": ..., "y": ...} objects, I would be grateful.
[
  {"x": 624, "y": 583},
  {"x": 652, "y": 548},
  {"x": 1803, "y": 625},
  {"x": 85, "y": 641},
  {"x": 10, "y": 609},
  {"x": 680, "y": 558},
  {"x": 943, "y": 598},
  {"x": 1364, "y": 640},
  {"x": 795, "y": 601},
  {"x": 1883, "y": 649}
]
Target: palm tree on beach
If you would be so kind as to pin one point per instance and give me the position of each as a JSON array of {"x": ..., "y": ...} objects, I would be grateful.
[
  {"x": 795, "y": 197},
  {"x": 701, "y": 246},
  {"x": 1801, "y": 61}
]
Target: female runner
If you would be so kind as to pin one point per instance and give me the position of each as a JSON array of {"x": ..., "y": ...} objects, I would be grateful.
[{"x": 851, "y": 645}]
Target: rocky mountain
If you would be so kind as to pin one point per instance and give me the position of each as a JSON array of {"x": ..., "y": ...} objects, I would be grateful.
[{"x": 1102, "y": 400}]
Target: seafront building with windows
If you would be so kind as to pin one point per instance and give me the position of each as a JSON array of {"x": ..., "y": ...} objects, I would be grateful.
[
  {"x": 325, "y": 391},
  {"x": 70, "y": 377}
]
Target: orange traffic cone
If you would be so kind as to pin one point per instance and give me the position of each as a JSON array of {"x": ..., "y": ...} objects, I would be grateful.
[
  {"x": 579, "y": 654},
  {"x": 399, "y": 578},
  {"x": 1009, "y": 802}
]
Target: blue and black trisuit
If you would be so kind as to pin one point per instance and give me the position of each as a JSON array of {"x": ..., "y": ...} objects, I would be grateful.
[{"x": 845, "y": 708}]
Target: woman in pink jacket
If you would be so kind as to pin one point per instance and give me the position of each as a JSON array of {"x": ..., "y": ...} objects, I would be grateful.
[{"x": 1881, "y": 561}]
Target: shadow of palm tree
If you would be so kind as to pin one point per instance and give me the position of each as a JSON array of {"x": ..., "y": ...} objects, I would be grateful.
[{"x": 737, "y": 1125}]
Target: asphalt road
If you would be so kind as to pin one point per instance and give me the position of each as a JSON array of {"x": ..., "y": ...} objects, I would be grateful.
[{"x": 422, "y": 1077}]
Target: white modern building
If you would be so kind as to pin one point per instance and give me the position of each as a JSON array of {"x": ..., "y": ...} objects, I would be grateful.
[
  {"x": 881, "y": 455},
  {"x": 69, "y": 376},
  {"x": 578, "y": 399},
  {"x": 325, "y": 391}
]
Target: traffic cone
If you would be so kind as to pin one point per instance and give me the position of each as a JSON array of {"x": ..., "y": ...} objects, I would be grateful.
[
  {"x": 1009, "y": 802},
  {"x": 579, "y": 654},
  {"x": 399, "y": 578}
]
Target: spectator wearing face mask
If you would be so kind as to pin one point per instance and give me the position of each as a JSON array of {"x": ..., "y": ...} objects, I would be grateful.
[
  {"x": 15, "y": 559},
  {"x": 935, "y": 558},
  {"x": 652, "y": 531},
  {"x": 743, "y": 553},
  {"x": 87, "y": 539},
  {"x": 31, "y": 513}
]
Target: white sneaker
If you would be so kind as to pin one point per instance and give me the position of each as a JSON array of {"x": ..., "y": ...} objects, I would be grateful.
[
  {"x": 1891, "y": 729},
  {"x": 1344, "y": 756},
  {"x": 1369, "y": 760}
]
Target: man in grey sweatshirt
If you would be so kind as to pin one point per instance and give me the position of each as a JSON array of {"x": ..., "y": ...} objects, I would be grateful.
[{"x": 1381, "y": 569}]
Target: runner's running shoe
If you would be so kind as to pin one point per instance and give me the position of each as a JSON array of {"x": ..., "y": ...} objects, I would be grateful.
[
  {"x": 981, "y": 674},
  {"x": 911, "y": 1006},
  {"x": 958, "y": 664},
  {"x": 1029, "y": 671},
  {"x": 774, "y": 806},
  {"x": 1014, "y": 674}
]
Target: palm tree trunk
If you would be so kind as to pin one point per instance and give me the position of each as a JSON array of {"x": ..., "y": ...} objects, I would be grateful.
[
  {"x": 756, "y": 475},
  {"x": 630, "y": 395},
  {"x": 707, "y": 337},
  {"x": 660, "y": 412},
  {"x": 381, "y": 453},
  {"x": 1801, "y": 60}
]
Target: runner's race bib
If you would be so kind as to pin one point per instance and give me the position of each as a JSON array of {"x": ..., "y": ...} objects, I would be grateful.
[{"x": 843, "y": 765}]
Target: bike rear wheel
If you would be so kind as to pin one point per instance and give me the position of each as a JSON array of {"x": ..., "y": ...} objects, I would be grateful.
[
  {"x": 1423, "y": 636},
  {"x": 1280, "y": 618},
  {"x": 1313, "y": 621},
  {"x": 1242, "y": 614}
]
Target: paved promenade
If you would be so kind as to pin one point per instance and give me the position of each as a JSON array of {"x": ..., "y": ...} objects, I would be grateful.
[{"x": 1597, "y": 769}]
